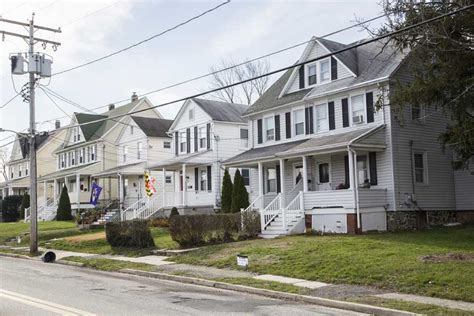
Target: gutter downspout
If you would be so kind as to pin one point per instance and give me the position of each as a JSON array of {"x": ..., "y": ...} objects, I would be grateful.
[{"x": 356, "y": 189}]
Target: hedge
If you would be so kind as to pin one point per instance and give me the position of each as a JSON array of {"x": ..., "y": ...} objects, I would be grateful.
[
  {"x": 10, "y": 207},
  {"x": 197, "y": 230},
  {"x": 129, "y": 234}
]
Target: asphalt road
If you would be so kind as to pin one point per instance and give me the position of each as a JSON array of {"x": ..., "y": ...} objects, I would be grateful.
[{"x": 29, "y": 287}]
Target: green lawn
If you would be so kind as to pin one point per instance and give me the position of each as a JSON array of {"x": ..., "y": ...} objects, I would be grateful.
[
  {"x": 390, "y": 260},
  {"x": 110, "y": 264},
  {"x": 47, "y": 230}
]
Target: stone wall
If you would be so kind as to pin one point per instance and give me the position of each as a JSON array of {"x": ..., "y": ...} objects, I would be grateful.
[{"x": 405, "y": 220}]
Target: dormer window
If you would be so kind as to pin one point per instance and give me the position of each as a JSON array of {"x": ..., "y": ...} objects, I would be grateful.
[
  {"x": 324, "y": 71},
  {"x": 312, "y": 78}
]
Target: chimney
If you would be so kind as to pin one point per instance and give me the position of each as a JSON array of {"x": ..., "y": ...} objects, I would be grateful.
[
  {"x": 111, "y": 106},
  {"x": 57, "y": 124},
  {"x": 134, "y": 96}
]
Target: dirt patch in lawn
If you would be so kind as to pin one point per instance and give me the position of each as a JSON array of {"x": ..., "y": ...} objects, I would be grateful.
[
  {"x": 86, "y": 237},
  {"x": 449, "y": 257}
]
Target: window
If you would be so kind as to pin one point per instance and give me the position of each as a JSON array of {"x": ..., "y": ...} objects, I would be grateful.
[
  {"x": 81, "y": 155},
  {"x": 244, "y": 138},
  {"x": 324, "y": 74},
  {"x": 73, "y": 158},
  {"x": 191, "y": 114},
  {"x": 63, "y": 160},
  {"x": 12, "y": 172},
  {"x": 362, "y": 169},
  {"x": 269, "y": 128},
  {"x": 166, "y": 144},
  {"x": 271, "y": 180},
  {"x": 125, "y": 152},
  {"x": 323, "y": 173},
  {"x": 182, "y": 144},
  {"x": 27, "y": 168},
  {"x": 298, "y": 118},
  {"x": 246, "y": 176},
  {"x": 74, "y": 135},
  {"x": 20, "y": 169},
  {"x": 321, "y": 118},
  {"x": 358, "y": 107},
  {"x": 312, "y": 75},
  {"x": 202, "y": 137},
  {"x": 168, "y": 179},
  {"x": 93, "y": 153},
  {"x": 416, "y": 112},
  {"x": 139, "y": 150},
  {"x": 203, "y": 181},
  {"x": 78, "y": 135},
  {"x": 131, "y": 130},
  {"x": 419, "y": 166},
  {"x": 298, "y": 174}
]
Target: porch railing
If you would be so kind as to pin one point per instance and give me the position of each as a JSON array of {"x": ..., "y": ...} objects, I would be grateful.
[
  {"x": 254, "y": 205},
  {"x": 272, "y": 210},
  {"x": 294, "y": 192},
  {"x": 151, "y": 206},
  {"x": 297, "y": 203},
  {"x": 131, "y": 211}
]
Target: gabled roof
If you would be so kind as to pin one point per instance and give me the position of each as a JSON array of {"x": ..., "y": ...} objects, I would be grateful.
[
  {"x": 25, "y": 146},
  {"x": 223, "y": 111},
  {"x": 90, "y": 129},
  {"x": 370, "y": 62},
  {"x": 153, "y": 127}
]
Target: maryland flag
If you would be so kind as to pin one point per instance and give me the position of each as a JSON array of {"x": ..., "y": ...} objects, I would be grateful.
[{"x": 149, "y": 185}]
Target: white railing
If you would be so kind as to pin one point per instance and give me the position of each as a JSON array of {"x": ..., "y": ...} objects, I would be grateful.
[
  {"x": 254, "y": 205},
  {"x": 272, "y": 210},
  {"x": 130, "y": 212},
  {"x": 297, "y": 203},
  {"x": 152, "y": 206},
  {"x": 27, "y": 214},
  {"x": 294, "y": 192}
]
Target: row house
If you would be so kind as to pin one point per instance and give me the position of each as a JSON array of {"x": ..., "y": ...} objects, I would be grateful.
[{"x": 328, "y": 153}]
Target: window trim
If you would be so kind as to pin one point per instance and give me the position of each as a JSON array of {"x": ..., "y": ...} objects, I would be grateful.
[
  {"x": 203, "y": 179},
  {"x": 425, "y": 166},
  {"x": 265, "y": 137},
  {"x": 202, "y": 136},
  {"x": 124, "y": 153},
  {"x": 367, "y": 160},
  {"x": 241, "y": 172},
  {"x": 241, "y": 139},
  {"x": 306, "y": 79},
  {"x": 326, "y": 106},
  {"x": 364, "y": 109},
  {"x": 182, "y": 149},
  {"x": 267, "y": 186},
  {"x": 191, "y": 114},
  {"x": 167, "y": 146},
  {"x": 318, "y": 73},
  {"x": 293, "y": 125},
  {"x": 139, "y": 150},
  {"x": 420, "y": 119},
  {"x": 320, "y": 77}
]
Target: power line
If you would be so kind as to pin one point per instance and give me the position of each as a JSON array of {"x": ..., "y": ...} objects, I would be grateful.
[
  {"x": 14, "y": 97},
  {"x": 298, "y": 64},
  {"x": 145, "y": 40},
  {"x": 91, "y": 13},
  {"x": 55, "y": 104}
]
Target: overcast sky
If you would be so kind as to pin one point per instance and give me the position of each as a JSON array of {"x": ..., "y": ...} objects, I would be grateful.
[{"x": 239, "y": 30}]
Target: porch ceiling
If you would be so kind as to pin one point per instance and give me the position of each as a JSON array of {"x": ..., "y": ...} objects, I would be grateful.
[
  {"x": 86, "y": 170},
  {"x": 366, "y": 138},
  {"x": 176, "y": 163},
  {"x": 137, "y": 168}
]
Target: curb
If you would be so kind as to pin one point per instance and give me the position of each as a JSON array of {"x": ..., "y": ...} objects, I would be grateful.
[
  {"x": 362, "y": 308},
  {"x": 15, "y": 255},
  {"x": 69, "y": 263}
]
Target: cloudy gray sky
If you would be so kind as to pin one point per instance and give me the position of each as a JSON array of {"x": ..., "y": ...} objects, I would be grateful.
[{"x": 239, "y": 30}]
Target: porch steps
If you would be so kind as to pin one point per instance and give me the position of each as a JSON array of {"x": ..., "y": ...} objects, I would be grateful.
[{"x": 276, "y": 229}]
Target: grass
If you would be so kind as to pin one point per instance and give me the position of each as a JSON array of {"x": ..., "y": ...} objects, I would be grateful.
[
  {"x": 390, "y": 261},
  {"x": 47, "y": 230},
  {"x": 263, "y": 284},
  {"x": 110, "y": 264},
  {"x": 97, "y": 244},
  {"x": 425, "y": 309}
]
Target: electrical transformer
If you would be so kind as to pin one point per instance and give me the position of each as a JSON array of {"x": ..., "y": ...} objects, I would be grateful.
[
  {"x": 18, "y": 64},
  {"x": 45, "y": 66},
  {"x": 34, "y": 63}
]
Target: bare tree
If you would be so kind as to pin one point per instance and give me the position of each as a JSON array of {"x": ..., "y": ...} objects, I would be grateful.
[
  {"x": 228, "y": 72},
  {"x": 3, "y": 163}
]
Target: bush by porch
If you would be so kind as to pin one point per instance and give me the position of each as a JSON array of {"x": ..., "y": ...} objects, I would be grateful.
[{"x": 392, "y": 261}]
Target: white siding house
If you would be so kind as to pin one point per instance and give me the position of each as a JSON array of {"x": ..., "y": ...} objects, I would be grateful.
[{"x": 326, "y": 156}]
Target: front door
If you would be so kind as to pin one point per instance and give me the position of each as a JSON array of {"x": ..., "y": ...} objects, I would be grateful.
[{"x": 323, "y": 170}]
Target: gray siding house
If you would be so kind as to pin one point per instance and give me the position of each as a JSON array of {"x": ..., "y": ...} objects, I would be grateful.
[{"x": 327, "y": 158}]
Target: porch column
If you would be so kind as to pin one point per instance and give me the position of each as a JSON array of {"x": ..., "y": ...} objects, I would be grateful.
[
  {"x": 351, "y": 170},
  {"x": 121, "y": 198},
  {"x": 282, "y": 182},
  {"x": 45, "y": 193},
  {"x": 305, "y": 174},
  {"x": 65, "y": 184},
  {"x": 163, "y": 187},
  {"x": 260, "y": 184},
  {"x": 55, "y": 191},
  {"x": 78, "y": 191},
  {"x": 184, "y": 184}
]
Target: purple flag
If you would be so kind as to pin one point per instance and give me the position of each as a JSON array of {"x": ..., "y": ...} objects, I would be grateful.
[{"x": 95, "y": 193}]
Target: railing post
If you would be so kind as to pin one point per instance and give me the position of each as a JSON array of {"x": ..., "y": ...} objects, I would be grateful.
[
  {"x": 301, "y": 201},
  {"x": 283, "y": 211},
  {"x": 262, "y": 219}
]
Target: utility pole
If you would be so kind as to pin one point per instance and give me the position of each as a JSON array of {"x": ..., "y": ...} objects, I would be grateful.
[{"x": 40, "y": 66}]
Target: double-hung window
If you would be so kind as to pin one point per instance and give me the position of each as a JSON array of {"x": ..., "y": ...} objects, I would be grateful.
[
  {"x": 298, "y": 118},
  {"x": 312, "y": 77},
  {"x": 244, "y": 138},
  {"x": 324, "y": 71},
  {"x": 321, "y": 118},
  {"x": 182, "y": 142},
  {"x": 246, "y": 176},
  {"x": 362, "y": 169},
  {"x": 269, "y": 128},
  {"x": 203, "y": 180},
  {"x": 166, "y": 144},
  {"x": 125, "y": 153},
  {"x": 81, "y": 155},
  {"x": 27, "y": 168},
  {"x": 20, "y": 169},
  {"x": 139, "y": 150},
  {"x": 63, "y": 160},
  {"x": 419, "y": 167},
  {"x": 271, "y": 180},
  {"x": 416, "y": 112},
  {"x": 202, "y": 137},
  {"x": 12, "y": 172},
  {"x": 358, "y": 109},
  {"x": 93, "y": 153},
  {"x": 73, "y": 158}
]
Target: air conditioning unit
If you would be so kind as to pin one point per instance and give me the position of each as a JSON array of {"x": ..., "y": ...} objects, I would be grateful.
[
  {"x": 18, "y": 64},
  {"x": 358, "y": 119}
]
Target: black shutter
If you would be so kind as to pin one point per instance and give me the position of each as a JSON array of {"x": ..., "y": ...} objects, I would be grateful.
[
  {"x": 301, "y": 72},
  {"x": 195, "y": 138},
  {"x": 373, "y": 167},
  {"x": 288, "y": 124},
  {"x": 259, "y": 131},
  {"x": 345, "y": 112},
  {"x": 278, "y": 178},
  {"x": 333, "y": 68},
  {"x": 346, "y": 171},
  {"x": 196, "y": 179},
  {"x": 332, "y": 117},
  {"x": 209, "y": 178},
  {"x": 311, "y": 120},
  {"x": 369, "y": 99},
  {"x": 277, "y": 127},
  {"x": 188, "y": 140},
  {"x": 176, "y": 143},
  {"x": 306, "y": 120},
  {"x": 208, "y": 135}
]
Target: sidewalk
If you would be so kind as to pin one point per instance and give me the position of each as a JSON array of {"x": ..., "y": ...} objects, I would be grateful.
[{"x": 313, "y": 288}]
